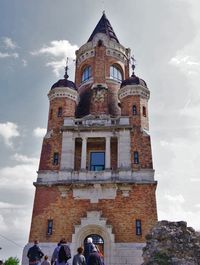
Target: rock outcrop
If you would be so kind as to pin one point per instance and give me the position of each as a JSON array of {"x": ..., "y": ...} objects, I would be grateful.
[{"x": 172, "y": 243}]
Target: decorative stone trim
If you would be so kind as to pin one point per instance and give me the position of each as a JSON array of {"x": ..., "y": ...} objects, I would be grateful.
[
  {"x": 133, "y": 90},
  {"x": 94, "y": 224},
  {"x": 63, "y": 92},
  {"x": 95, "y": 192},
  {"x": 87, "y": 54}
]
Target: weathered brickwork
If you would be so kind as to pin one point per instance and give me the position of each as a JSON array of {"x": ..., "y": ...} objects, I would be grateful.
[
  {"x": 67, "y": 212},
  {"x": 97, "y": 115}
]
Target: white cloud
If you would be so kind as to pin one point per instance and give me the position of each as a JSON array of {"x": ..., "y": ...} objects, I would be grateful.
[
  {"x": 60, "y": 50},
  {"x": 8, "y": 55},
  {"x": 9, "y": 43},
  {"x": 24, "y": 159},
  {"x": 57, "y": 66},
  {"x": 175, "y": 198},
  {"x": 39, "y": 132},
  {"x": 18, "y": 176},
  {"x": 8, "y": 131}
]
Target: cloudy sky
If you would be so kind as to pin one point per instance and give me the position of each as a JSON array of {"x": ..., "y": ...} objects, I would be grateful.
[{"x": 35, "y": 39}]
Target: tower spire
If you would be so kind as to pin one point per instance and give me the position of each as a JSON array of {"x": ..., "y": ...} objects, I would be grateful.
[
  {"x": 133, "y": 65},
  {"x": 66, "y": 69}
]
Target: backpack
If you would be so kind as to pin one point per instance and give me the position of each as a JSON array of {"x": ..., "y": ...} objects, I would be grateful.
[{"x": 62, "y": 255}]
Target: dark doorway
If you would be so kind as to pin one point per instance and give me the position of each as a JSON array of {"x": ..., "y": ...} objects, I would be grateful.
[{"x": 97, "y": 241}]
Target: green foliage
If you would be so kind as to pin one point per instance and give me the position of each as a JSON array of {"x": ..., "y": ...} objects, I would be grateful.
[
  {"x": 12, "y": 261},
  {"x": 162, "y": 258}
]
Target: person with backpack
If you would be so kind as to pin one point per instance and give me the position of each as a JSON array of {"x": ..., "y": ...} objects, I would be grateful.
[
  {"x": 35, "y": 254},
  {"x": 64, "y": 253}
]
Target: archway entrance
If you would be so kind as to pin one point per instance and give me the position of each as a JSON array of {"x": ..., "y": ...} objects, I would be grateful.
[{"x": 97, "y": 241}]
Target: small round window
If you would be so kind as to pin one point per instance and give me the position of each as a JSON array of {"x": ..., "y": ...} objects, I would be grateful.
[
  {"x": 115, "y": 73},
  {"x": 87, "y": 73}
]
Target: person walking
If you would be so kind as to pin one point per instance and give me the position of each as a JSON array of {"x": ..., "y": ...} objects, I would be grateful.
[
  {"x": 79, "y": 258},
  {"x": 94, "y": 258},
  {"x": 46, "y": 261},
  {"x": 55, "y": 254},
  {"x": 35, "y": 254},
  {"x": 64, "y": 253},
  {"x": 88, "y": 248}
]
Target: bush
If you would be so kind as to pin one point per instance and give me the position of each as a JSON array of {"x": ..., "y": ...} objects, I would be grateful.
[{"x": 12, "y": 261}]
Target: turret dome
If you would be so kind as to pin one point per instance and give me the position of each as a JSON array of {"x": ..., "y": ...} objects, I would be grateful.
[
  {"x": 133, "y": 80},
  {"x": 64, "y": 82}
]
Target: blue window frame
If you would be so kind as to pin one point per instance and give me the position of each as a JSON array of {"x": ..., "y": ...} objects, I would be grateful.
[
  {"x": 115, "y": 73},
  {"x": 97, "y": 161},
  {"x": 136, "y": 157},
  {"x": 138, "y": 227},
  {"x": 50, "y": 227},
  {"x": 87, "y": 73}
]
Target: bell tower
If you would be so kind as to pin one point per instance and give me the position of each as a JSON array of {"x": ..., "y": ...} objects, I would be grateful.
[{"x": 96, "y": 177}]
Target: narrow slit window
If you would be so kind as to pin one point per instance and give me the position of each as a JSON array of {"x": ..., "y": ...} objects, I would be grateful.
[
  {"x": 50, "y": 227},
  {"x": 138, "y": 227},
  {"x": 144, "y": 111},
  {"x": 55, "y": 158},
  {"x": 136, "y": 157},
  {"x": 60, "y": 111},
  {"x": 134, "y": 110},
  {"x": 51, "y": 114}
]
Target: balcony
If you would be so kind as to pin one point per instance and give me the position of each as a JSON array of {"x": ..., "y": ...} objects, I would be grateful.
[{"x": 92, "y": 177}]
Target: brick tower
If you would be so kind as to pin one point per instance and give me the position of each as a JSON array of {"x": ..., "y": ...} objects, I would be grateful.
[{"x": 96, "y": 176}]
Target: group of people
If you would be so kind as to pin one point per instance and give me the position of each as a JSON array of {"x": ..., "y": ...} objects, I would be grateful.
[{"x": 61, "y": 254}]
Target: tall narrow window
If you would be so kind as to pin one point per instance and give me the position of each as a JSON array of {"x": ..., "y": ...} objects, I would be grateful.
[
  {"x": 50, "y": 227},
  {"x": 136, "y": 157},
  {"x": 55, "y": 158},
  {"x": 144, "y": 112},
  {"x": 134, "y": 110},
  {"x": 87, "y": 73},
  {"x": 51, "y": 114},
  {"x": 138, "y": 227},
  {"x": 115, "y": 73},
  {"x": 60, "y": 110}
]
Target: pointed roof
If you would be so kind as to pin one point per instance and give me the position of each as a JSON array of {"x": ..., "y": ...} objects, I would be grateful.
[{"x": 104, "y": 26}]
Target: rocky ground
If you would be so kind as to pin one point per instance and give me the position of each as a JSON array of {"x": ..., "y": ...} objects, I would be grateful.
[{"x": 172, "y": 243}]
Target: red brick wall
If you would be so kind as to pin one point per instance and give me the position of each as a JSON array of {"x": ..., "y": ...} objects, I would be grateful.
[{"x": 121, "y": 213}]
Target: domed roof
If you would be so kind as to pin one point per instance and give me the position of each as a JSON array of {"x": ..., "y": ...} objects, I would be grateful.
[
  {"x": 133, "y": 80},
  {"x": 64, "y": 83}
]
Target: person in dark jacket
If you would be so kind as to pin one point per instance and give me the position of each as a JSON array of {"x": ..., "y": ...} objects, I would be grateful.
[
  {"x": 89, "y": 248},
  {"x": 35, "y": 254},
  {"x": 94, "y": 258}
]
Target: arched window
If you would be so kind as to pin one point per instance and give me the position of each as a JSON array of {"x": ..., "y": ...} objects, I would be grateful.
[
  {"x": 144, "y": 112},
  {"x": 87, "y": 73},
  {"x": 115, "y": 73},
  {"x": 60, "y": 110},
  {"x": 134, "y": 110}
]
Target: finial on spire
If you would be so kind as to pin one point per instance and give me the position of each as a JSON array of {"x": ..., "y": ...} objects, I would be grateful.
[
  {"x": 66, "y": 69},
  {"x": 133, "y": 65}
]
